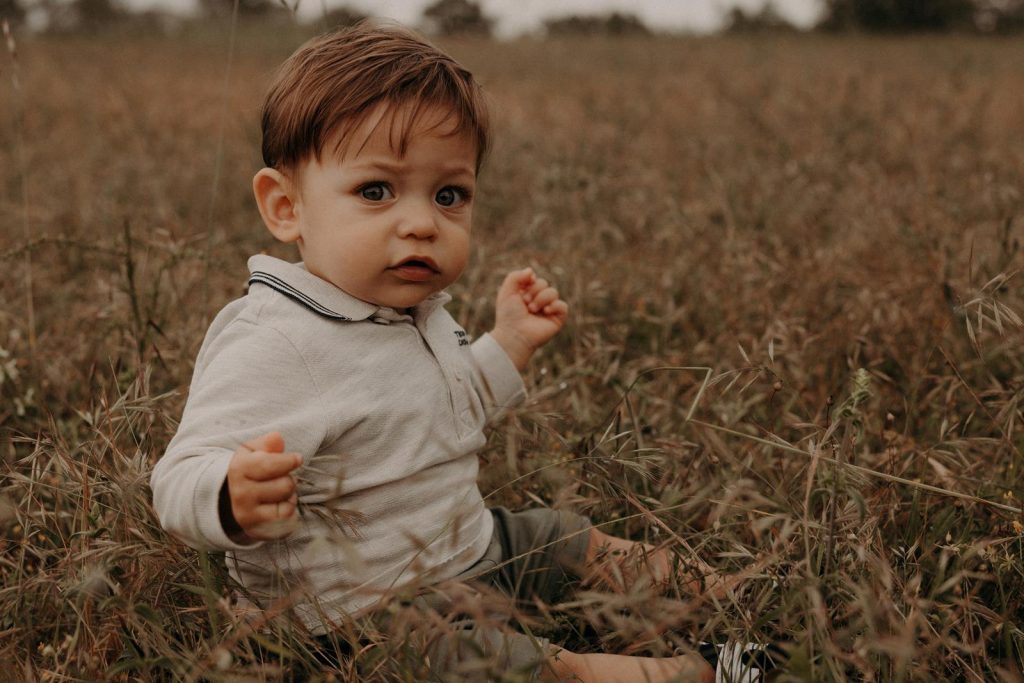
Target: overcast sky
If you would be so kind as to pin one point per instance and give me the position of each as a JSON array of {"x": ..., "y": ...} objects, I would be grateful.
[{"x": 518, "y": 16}]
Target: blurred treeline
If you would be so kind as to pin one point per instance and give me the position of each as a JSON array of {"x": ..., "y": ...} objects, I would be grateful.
[
  {"x": 450, "y": 17},
  {"x": 1003, "y": 16}
]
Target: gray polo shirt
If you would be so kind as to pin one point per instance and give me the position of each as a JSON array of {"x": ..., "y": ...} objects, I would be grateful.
[{"x": 387, "y": 410}]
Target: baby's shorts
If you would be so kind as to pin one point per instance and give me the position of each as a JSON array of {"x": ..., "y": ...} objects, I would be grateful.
[{"x": 534, "y": 554}]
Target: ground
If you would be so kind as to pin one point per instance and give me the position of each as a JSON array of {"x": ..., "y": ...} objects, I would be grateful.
[{"x": 783, "y": 211}]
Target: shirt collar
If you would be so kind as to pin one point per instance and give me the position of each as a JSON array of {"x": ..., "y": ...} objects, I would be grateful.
[{"x": 323, "y": 298}]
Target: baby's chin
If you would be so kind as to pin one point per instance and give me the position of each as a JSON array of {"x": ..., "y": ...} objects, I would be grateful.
[{"x": 407, "y": 297}]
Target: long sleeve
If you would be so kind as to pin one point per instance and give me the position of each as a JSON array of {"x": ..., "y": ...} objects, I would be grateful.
[
  {"x": 386, "y": 408},
  {"x": 249, "y": 380},
  {"x": 495, "y": 377}
]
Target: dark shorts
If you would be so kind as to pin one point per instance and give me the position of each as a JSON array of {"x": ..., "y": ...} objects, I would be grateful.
[{"x": 533, "y": 556}]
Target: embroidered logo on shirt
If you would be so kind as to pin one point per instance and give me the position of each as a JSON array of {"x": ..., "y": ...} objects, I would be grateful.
[{"x": 462, "y": 337}]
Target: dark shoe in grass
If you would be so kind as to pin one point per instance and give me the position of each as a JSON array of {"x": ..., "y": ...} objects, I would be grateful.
[{"x": 739, "y": 662}]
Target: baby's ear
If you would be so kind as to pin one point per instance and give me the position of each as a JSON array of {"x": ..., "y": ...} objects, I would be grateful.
[{"x": 276, "y": 198}]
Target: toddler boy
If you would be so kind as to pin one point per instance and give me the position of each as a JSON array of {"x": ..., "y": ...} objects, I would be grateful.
[{"x": 329, "y": 442}]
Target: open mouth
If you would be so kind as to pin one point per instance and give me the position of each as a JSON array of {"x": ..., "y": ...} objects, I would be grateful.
[{"x": 419, "y": 262}]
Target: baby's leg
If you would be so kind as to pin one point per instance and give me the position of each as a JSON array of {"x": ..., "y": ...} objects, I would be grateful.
[
  {"x": 472, "y": 649},
  {"x": 616, "y": 563},
  {"x": 603, "y": 668}
]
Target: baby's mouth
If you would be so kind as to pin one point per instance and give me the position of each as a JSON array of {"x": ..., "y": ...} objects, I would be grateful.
[{"x": 416, "y": 269}]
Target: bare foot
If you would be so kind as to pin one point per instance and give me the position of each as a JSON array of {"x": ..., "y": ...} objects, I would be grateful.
[
  {"x": 604, "y": 668},
  {"x": 616, "y": 564}
]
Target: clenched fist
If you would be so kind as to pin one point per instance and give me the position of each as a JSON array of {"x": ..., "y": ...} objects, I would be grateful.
[
  {"x": 260, "y": 490},
  {"x": 528, "y": 313}
]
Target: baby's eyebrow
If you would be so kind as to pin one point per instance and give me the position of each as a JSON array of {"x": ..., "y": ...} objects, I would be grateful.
[{"x": 399, "y": 168}]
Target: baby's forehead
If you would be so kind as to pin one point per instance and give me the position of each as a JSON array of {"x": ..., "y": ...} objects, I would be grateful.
[{"x": 390, "y": 128}]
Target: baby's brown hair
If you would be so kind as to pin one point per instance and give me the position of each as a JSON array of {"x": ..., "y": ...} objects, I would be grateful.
[{"x": 330, "y": 84}]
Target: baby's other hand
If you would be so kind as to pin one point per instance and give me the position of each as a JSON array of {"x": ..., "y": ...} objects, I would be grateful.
[
  {"x": 261, "y": 490},
  {"x": 528, "y": 313}
]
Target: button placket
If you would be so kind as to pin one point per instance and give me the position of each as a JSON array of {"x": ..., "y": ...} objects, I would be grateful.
[
  {"x": 447, "y": 344},
  {"x": 454, "y": 383}
]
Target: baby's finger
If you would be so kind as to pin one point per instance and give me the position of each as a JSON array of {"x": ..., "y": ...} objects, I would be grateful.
[
  {"x": 263, "y": 466},
  {"x": 537, "y": 286},
  {"x": 543, "y": 298},
  {"x": 252, "y": 513},
  {"x": 273, "y": 521},
  {"x": 517, "y": 280},
  {"x": 274, "y": 490},
  {"x": 557, "y": 309},
  {"x": 268, "y": 512}
]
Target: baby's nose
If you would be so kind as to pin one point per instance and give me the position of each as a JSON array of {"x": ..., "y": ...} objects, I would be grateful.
[{"x": 419, "y": 223}]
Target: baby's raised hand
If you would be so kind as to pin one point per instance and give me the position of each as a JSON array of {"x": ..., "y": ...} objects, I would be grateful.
[
  {"x": 261, "y": 489},
  {"x": 528, "y": 313}
]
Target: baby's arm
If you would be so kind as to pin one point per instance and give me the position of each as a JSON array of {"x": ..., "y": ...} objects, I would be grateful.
[
  {"x": 221, "y": 476},
  {"x": 528, "y": 313}
]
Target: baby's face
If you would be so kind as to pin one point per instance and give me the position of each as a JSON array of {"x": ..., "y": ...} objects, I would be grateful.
[{"x": 387, "y": 228}]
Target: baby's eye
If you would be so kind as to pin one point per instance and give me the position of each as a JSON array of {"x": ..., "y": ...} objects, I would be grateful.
[
  {"x": 375, "y": 192},
  {"x": 451, "y": 196}
]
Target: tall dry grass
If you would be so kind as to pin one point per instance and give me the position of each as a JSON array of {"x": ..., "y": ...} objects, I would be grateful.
[{"x": 782, "y": 211}]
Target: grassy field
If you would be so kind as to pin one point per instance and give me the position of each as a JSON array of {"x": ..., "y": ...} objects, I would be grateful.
[{"x": 783, "y": 212}]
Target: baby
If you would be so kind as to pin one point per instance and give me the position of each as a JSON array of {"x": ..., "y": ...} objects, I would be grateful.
[{"x": 329, "y": 442}]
